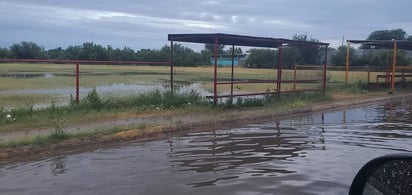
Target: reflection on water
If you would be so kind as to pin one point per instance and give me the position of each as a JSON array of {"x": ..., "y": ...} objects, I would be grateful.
[
  {"x": 317, "y": 154},
  {"x": 244, "y": 151},
  {"x": 58, "y": 165}
]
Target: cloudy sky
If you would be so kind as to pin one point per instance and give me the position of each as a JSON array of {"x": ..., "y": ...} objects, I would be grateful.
[{"x": 146, "y": 23}]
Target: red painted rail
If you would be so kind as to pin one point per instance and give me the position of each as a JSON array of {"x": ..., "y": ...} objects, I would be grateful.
[{"x": 83, "y": 62}]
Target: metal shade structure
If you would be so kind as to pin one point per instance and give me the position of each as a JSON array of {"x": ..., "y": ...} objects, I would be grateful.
[
  {"x": 241, "y": 40},
  {"x": 401, "y": 44},
  {"x": 389, "y": 44}
]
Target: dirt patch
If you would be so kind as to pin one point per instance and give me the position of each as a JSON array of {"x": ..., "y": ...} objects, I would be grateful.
[{"x": 165, "y": 124}]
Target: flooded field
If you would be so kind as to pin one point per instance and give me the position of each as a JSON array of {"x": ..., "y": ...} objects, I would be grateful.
[
  {"x": 61, "y": 96},
  {"x": 316, "y": 154}
]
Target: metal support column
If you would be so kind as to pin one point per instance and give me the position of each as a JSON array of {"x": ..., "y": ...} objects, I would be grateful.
[
  {"x": 233, "y": 66},
  {"x": 215, "y": 74},
  {"x": 171, "y": 66},
  {"x": 395, "y": 48},
  {"x": 77, "y": 83},
  {"x": 325, "y": 68},
  {"x": 294, "y": 78},
  {"x": 279, "y": 77},
  {"x": 347, "y": 63}
]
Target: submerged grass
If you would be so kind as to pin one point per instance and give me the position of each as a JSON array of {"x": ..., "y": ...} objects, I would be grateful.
[{"x": 291, "y": 101}]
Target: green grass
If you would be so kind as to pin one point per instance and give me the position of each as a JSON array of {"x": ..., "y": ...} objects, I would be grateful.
[
  {"x": 37, "y": 140},
  {"x": 93, "y": 104},
  {"x": 25, "y": 100},
  {"x": 58, "y": 116},
  {"x": 57, "y": 137},
  {"x": 95, "y": 75},
  {"x": 98, "y": 75},
  {"x": 94, "y": 107},
  {"x": 290, "y": 101}
]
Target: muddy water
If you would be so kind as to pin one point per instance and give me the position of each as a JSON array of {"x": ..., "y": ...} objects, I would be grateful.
[{"x": 317, "y": 154}]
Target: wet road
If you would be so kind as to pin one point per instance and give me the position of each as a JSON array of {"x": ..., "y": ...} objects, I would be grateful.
[{"x": 317, "y": 154}]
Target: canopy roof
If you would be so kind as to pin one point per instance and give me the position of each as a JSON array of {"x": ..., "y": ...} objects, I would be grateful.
[
  {"x": 401, "y": 44},
  {"x": 240, "y": 40}
]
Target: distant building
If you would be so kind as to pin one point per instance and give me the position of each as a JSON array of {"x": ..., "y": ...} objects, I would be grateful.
[{"x": 226, "y": 59}]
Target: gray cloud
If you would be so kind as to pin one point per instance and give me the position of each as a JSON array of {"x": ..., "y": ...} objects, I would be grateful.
[{"x": 145, "y": 24}]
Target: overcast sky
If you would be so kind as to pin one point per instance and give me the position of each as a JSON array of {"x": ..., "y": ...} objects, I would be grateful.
[{"x": 146, "y": 23}]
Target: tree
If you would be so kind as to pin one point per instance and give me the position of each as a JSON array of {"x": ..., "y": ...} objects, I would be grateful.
[
  {"x": 291, "y": 56},
  {"x": 397, "y": 34},
  {"x": 4, "y": 53},
  {"x": 56, "y": 54},
  {"x": 307, "y": 54},
  {"x": 381, "y": 56},
  {"x": 339, "y": 58},
  {"x": 183, "y": 56},
  {"x": 211, "y": 48},
  {"x": 384, "y": 57},
  {"x": 262, "y": 58},
  {"x": 206, "y": 56},
  {"x": 73, "y": 52},
  {"x": 114, "y": 54},
  {"x": 238, "y": 51},
  {"x": 128, "y": 54},
  {"x": 92, "y": 51},
  {"x": 26, "y": 50}
]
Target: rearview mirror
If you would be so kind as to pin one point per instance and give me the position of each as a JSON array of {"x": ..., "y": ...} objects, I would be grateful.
[{"x": 390, "y": 174}]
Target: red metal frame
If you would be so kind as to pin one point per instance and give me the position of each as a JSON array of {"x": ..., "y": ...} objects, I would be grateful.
[
  {"x": 229, "y": 39},
  {"x": 171, "y": 65},
  {"x": 83, "y": 62},
  {"x": 233, "y": 67},
  {"x": 77, "y": 83},
  {"x": 325, "y": 68},
  {"x": 279, "y": 76},
  {"x": 215, "y": 73}
]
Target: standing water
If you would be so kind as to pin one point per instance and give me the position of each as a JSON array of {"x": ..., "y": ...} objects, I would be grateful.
[{"x": 316, "y": 154}]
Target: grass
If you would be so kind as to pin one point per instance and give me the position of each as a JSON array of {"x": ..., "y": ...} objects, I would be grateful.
[
  {"x": 94, "y": 105},
  {"x": 24, "y": 100},
  {"x": 54, "y": 138},
  {"x": 98, "y": 75}
]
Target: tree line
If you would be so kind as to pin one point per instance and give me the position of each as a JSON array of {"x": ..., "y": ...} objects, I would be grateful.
[
  {"x": 364, "y": 55},
  {"x": 184, "y": 56},
  {"x": 267, "y": 58}
]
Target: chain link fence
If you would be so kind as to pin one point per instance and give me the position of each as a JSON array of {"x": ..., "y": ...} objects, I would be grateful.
[{"x": 40, "y": 85}]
